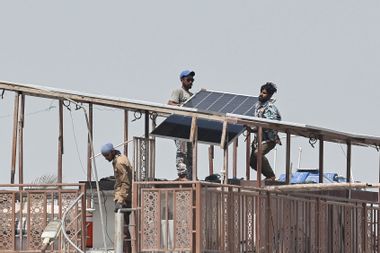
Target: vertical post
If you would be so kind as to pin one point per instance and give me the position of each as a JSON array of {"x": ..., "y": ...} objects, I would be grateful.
[
  {"x": 21, "y": 141},
  {"x": 147, "y": 169},
  {"x": 259, "y": 155},
  {"x": 14, "y": 139},
  {"x": 198, "y": 218},
  {"x": 348, "y": 173},
  {"x": 225, "y": 163},
  {"x": 83, "y": 212},
  {"x": 234, "y": 163},
  {"x": 119, "y": 232},
  {"x": 248, "y": 154},
  {"x": 60, "y": 141},
  {"x": 321, "y": 160},
  {"x": 194, "y": 142},
  {"x": 287, "y": 180},
  {"x": 126, "y": 132},
  {"x": 211, "y": 159},
  {"x": 89, "y": 152}
]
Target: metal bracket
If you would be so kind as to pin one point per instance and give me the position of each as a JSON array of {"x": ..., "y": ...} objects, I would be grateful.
[
  {"x": 137, "y": 115},
  {"x": 67, "y": 104},
  {"x": 312, "y": 140}
]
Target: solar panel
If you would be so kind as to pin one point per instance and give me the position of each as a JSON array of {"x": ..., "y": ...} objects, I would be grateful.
[{"x": 209, "y": 131}]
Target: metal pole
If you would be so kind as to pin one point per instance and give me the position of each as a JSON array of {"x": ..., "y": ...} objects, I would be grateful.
[
  {"x": 211, "y": 159},
  {"x": 259, "y": 155},
  {"x": 147, "y": 169},
  {"x": 248, "y": 154},
  {"x": 60, "y": 141},
  {"x": 225, "y": 164},
  {"x": 89, "y": 154},
  {"x": 119, "y": 232},
  {"x": 348, "y": 173},
  {"x": 21, "y": 141},
  {"x": 126, "y": 132},
  {"x": 96, "y": 177},
  {"x": 321, "y": 160},
  {"x": 287, "y": 180},
  {"x": 194, "y": 140},
  {"x": 234, "y": 163},
  {"x": 14, "y": 139}
]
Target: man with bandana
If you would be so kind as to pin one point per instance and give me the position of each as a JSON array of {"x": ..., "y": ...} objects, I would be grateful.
[
  {"x": 123, "y": 185},
  {"x": 265, "y": 108}
]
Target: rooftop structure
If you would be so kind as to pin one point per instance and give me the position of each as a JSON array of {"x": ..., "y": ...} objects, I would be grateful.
[{"x": 195, "y": 216}]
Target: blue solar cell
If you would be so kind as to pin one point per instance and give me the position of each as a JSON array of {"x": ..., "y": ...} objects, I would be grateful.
[
  {"x": 197, "y": 98},
  {"x": 208, "y": 101}
]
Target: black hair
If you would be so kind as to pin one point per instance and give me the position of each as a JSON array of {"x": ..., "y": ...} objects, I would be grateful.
[{"x": 269, "y": 87}]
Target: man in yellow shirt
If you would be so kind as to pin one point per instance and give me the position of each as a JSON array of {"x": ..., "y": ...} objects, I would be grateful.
[{"x": 123, "y": 184}]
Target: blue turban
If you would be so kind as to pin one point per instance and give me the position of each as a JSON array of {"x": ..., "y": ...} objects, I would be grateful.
[{"x": 107, "y": 148}]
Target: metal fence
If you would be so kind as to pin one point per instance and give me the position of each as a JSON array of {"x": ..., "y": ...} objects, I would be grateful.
[
  {"x": 204, "y": 217},
  {"x": 25, "y": 210}
]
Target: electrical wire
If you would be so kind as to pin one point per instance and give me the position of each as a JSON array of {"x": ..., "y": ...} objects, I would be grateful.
[{"x": 49, "y": 108}]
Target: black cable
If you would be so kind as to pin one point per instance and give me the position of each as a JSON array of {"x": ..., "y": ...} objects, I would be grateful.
[{"x": 105, "y": 210}]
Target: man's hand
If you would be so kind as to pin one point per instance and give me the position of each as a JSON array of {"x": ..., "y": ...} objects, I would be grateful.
[{"x": 118, "y": 206}]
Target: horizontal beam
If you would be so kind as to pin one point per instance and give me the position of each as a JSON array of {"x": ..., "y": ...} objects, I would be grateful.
[{"x": 164, "y": 110}]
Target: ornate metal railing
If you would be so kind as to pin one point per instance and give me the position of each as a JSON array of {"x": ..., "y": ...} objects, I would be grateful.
[
  {"x": 26, "y": 209},
  {"x": 205, "y": 217}
]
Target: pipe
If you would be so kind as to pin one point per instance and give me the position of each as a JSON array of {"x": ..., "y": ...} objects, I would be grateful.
[
  {"x": 119, "y": 232},
  {"x": 95, "y": 175}
]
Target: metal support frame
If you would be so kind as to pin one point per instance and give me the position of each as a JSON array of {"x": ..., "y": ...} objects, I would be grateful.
[
  {"x": 288, "y": 142},
  {"x": 348, "y": 172},
  {"x": 89, "y": 141},
  {"x": 21, "y": 140},
  {"x": 211, "y": 159},
  {"x": 14, "y": 139},
  {"x": 248, "y": 154},
  {"x": 321, "y": 153},
  {"x": 146, "y": 135},
  {"x": 259, "y": 156},
  {"x": 234, "y": 158},
  {"x": 60, "y": 141},
  {"x": 126, "y": 128},
  {"x": 194, "y": 142}
]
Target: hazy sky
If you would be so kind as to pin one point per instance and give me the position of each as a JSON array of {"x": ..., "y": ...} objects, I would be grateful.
[{"x": 323, "y": 55}]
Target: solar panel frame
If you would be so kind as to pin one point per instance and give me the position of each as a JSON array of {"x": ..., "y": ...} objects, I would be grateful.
[{"x": 209, "y": 131}]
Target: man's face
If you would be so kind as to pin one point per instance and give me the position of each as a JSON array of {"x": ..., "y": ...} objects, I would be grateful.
[
  {"x": 187, "y": 82},
  {"x": 264, "y": 96},
  {"x": 109, "y": 156}
]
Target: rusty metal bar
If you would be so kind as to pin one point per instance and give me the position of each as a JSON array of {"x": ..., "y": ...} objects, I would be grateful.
[
  {"x": 348, "y": 172},
  {"x": 14, "y": 139},
  {"x": 149, "y": 177},
  {"x": 84, "y": 217},
  {"x": 225, "y": 164},
  {"x": 89, "y": 150},
  {"x": 126, "y": 128},
  {"x": 321, "y": 150},
  {"x": 234, "y": 157},
  {"x": 194, "y": 141},
  {"x": 211, "y": 159},
  {"x": 21, "y": 140},
  {"x": 60, "y": 141},
  {"x": 198, "y": 218},
  {"x": 287, "y": 173},
  {"x": 248, "y": 154},
  {"x": 259, "y": 155}
]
